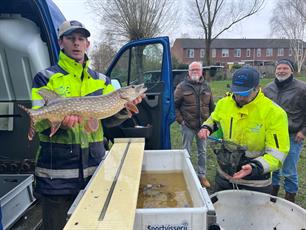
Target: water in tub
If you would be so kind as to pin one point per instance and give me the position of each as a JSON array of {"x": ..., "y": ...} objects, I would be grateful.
[{"x": 163, "y": 190}]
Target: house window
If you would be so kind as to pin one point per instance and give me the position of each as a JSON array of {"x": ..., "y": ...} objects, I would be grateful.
[
  {"x": 258, "y": 52},
  {"x": 290, "y": 52},
  {"x": 280, "y": 52},
  {"x": 237, "y": 53},
  {"x": 248, "y": 52},
  {"x": 213, "y": 53},
  {"x": 202, "y": 53},
  {"x": 190, "y": 53},
  {"x": 225, "y": 52},
  {"x": 269, "y": 52}
]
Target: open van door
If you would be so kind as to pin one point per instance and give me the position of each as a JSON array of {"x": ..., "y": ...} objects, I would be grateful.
[{"x": 156, "y": 112}]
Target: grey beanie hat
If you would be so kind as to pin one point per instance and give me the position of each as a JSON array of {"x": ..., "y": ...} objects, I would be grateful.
[{"x": 286, "y": 62}]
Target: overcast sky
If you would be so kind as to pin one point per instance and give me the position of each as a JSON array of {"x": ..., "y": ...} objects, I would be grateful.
[{"x": 256, "y": 26}]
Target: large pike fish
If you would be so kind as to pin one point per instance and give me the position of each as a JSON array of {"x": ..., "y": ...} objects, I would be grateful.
[{"x": 90, "y": 109}]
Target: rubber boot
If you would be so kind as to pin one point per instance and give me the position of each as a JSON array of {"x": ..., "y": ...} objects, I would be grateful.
[
  {"x": 275, "y": 189},
  {"x": 290, "y": 196}
]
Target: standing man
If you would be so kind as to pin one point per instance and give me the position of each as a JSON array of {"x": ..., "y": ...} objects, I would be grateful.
[
  {"x": 67, "y": 160},
  {"x": 193, "y": 105},
  {"x": 249, "y": 119},
  {"x": 290, "y": 94}
]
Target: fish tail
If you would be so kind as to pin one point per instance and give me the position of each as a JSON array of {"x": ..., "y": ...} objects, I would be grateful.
[{"x": 31, "y": 131}]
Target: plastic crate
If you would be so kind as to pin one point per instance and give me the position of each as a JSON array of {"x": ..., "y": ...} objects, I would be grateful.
[
  {"x": 200, "y": 216},
  {"x": 16, "y": 195}
]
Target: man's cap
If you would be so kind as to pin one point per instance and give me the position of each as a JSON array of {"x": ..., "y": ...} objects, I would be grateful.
[
  {"x": 286, "y": 62},
  {"x": 244, "y": 81},
  {"x": 72, "y": 26}
]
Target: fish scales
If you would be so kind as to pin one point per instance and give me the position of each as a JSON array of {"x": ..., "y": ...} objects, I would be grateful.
[
  {"x": 98, "y": 107},
  {"x": 91, "y": 107}
]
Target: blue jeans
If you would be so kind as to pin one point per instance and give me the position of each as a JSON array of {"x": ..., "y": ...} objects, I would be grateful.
[
  {"x": 289, "y": 169},
  {"x": 188, "y": 135}
]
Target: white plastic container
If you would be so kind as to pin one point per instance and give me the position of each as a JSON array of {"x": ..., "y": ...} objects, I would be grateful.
[
  {"x": 16, "y": 195},
  {"x": 200, "y": 216},
  {"x": 242, "y": 209}
]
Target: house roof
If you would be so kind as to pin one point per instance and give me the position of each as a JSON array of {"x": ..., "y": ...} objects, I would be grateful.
[{"x": 192, "y": 43}]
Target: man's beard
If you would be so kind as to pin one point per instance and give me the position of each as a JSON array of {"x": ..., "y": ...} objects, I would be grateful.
[
  {"x": 282, "y": 77},
  {"x": 194, "y": 78}
]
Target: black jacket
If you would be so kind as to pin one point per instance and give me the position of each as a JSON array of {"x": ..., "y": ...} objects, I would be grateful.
[{"x": 291, "y": 96}]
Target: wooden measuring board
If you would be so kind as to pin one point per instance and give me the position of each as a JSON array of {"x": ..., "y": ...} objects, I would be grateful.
[{"x": 110, "y": 199}]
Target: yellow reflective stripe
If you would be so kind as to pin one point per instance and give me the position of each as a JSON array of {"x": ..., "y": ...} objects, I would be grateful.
[
  {"x": 89, "y": 171},
  {"x": 276, "y": 153},
  {"x": 265, "y": 164},
  {"x": 252, "y": 183},
  {"x": 253, "y": 154},
  {"x": 37, "y": 103},
  {"x": 102, "y": 77},
  {"x": 58, "y": 173},
  {"x": 47, "y": 73},
  {"x": 63, "y": 173}
]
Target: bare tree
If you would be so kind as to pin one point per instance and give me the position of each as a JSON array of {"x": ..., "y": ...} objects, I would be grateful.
[
  {"x": 103, "y": 53},
  {"x": 217, "y": 16},
  {"x": 300, "y": 6},
  {"x": 287, "y": 22},
  {"x": 134, "y": 19}
]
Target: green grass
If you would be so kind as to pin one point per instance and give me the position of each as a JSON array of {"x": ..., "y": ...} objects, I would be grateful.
[{"x": 219, "y": 88}]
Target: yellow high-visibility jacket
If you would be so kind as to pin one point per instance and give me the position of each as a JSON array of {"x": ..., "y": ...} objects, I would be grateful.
[
  {"x": 66, "y": 161},
  {"x": 261, "y": 126}
]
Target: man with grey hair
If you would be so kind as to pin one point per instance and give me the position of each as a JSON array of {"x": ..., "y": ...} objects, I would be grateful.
[
  {"x": 193, "y": 105},
  {"x": 289, "y": 93}
]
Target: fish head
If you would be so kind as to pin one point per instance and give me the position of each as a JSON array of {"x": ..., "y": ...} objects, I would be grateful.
[{"x": 131, "y": 92}]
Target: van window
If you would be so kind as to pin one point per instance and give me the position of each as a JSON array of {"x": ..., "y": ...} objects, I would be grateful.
[{"x": 139, "y": 61}]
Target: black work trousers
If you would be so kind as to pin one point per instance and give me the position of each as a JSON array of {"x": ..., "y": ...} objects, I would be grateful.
[{"x": 54, "y": 211}]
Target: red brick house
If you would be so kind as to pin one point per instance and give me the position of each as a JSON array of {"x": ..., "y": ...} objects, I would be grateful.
[{"x": 230, "y": 51}]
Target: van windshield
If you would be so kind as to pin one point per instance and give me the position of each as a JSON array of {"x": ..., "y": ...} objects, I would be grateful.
[{"x": 144, "y": 64}]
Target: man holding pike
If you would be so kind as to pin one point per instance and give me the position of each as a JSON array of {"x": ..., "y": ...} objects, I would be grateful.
[{"x": 67, "y": 160}]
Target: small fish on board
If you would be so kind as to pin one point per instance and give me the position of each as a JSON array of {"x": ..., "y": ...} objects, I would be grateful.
[{"x": 90, "y": 109}]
